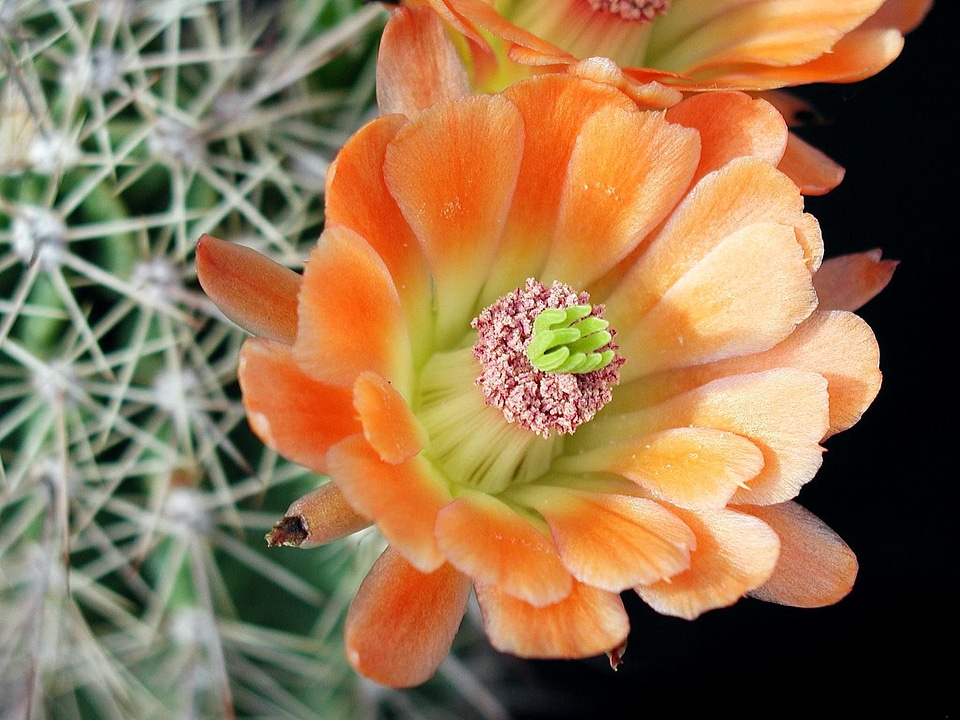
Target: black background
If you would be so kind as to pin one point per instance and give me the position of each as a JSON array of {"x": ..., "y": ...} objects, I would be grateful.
[{"x": 888, "y": 486}]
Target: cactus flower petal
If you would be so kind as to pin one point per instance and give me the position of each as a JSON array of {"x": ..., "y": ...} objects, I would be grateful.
[
  {"x": 255, "y": 292},
  {"x": 402, "y": 622},
  {"x": 815, "y": 568}
]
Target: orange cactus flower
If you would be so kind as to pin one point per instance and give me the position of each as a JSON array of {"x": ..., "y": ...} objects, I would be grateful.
[
  {"x": 552, "y": 366},
  {"x": 751, "y": 45},
  {"x": 693, "y": 44}
]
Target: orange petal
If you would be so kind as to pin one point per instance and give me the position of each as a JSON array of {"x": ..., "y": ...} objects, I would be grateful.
[
  {"x": 256, "y": 293},
  {"x": 557, "y": 106},
  {"x": 735, "y": 554},
  {"x": 350, "y": 314},
  {"x": 812, "y": 171},
  {"x": 403, "y": 499},
  {"x": 745, "y": 296},
  {"x": 418, "y": 65},
  {"x": 843, "y": 349},
  {"x": 495, "y": 545},
  {"x": 744, "y": 192},
  {"x": 816, "y": 567},
  {"x": 837, "y": 345},
  {"x": 587, "y": 622},
  {"x": 782, "y": 33},
  {"x": 489, "y": 71},
  {"x": 612, "y": 542},
  {"x": 782, "y": 411},
  {"x": 698, "y": 468},
  {"x": 452, "y": 171},
  {"x": 473, "y": 13},
  {"x": 787, "y": 433},
  {"x": 459, "y": 21},
  {"x": 848, "y": 282},
  {"x": 402, "y": 622},
  {"x": 732, "y": 125},
  {"x": 858, "y": 55},
  {"x": 358, "y": 173},
  {"x": 389, "y": 424},
  {"x": 291, "y": 412},
  {"x": 319, "y": 517},
  {"x": 614, "y": 195}
]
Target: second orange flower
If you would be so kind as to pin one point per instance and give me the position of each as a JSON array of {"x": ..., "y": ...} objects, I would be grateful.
[{"x": 693, "y": 44}]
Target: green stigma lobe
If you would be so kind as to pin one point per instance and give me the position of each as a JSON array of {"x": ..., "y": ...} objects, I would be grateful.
[{"x": 566, "y": 340}]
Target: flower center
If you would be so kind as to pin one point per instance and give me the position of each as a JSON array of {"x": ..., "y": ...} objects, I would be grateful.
[
  {"x": 548, "y": 361},
  {"x": 573, "y": 368},
  {"x": 635, "y": 10}
]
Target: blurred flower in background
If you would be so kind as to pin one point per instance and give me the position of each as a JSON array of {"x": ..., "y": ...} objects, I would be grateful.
[{"x": 693, "y": 44}]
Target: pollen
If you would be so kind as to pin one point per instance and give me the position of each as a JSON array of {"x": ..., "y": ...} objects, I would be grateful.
[
  {"x": 543, "y": 401},
  {"x": 634, "y": 10}
]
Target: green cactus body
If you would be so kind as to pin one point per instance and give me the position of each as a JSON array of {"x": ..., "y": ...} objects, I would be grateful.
[{"x": 133, "y": 498}]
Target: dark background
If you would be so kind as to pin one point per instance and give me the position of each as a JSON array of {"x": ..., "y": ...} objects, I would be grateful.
[{"x": 888, "y": 486}]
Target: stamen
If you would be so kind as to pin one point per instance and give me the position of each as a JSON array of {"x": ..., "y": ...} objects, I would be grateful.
[
  {"x": 635, "y": 10},
  {"x": 548, "y": 360}
]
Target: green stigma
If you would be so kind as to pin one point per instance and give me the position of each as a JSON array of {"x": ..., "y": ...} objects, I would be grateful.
[{"x": 566, "y": 340}]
